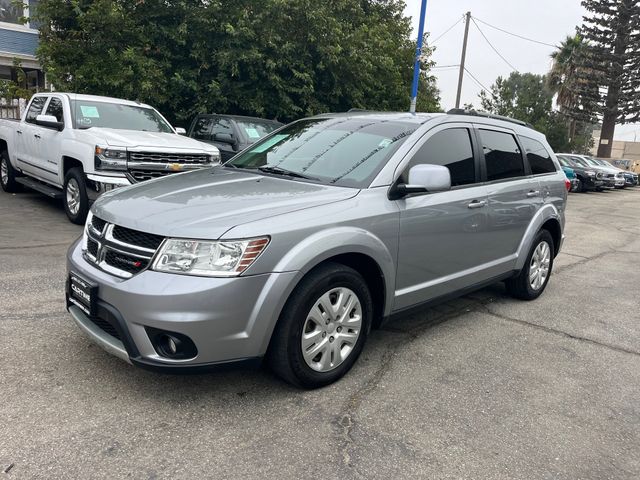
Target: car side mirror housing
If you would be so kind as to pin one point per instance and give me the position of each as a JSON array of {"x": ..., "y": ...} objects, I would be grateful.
[
  {"x": 49, "y": 121},
  {"x": 224, "y": 138},
  {"x": 180, "y": 131},
  {"x": 423, "y": 178}
]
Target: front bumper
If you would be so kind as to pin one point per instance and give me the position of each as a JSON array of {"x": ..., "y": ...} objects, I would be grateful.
[
  {"x": 228, "y": 319},
  {"x": 99, "y": 184}
]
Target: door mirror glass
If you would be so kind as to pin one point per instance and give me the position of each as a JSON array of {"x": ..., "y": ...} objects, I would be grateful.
[
  {"x": 181, "y": 131},
  {"x": 49, "y": 121},
  {"x": 433, "y": 178},
  {"x": 224, "y": 138}
]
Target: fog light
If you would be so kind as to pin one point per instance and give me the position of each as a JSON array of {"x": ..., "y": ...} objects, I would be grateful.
[
  {"x": 169, "y": 345},
  {"x": 173, "y": 345}
]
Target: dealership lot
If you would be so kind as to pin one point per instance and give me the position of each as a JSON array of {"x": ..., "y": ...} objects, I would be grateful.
[{"x": 480, "y": 387}]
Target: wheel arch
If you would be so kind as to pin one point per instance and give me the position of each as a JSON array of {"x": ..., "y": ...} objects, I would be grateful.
[
  {"x": 548, "y": 218},
  {"x": 68, "y": 163}
]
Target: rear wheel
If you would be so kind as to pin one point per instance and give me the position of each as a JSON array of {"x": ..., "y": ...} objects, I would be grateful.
[
  {"x": 76, "y": 200},
  {"x": 534, "y": 276},
  {"x": 8, "y": 174},
  {"x": 323, "y": 327}
]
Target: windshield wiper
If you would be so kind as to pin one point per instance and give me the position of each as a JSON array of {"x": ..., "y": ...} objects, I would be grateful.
[{"x": 284, "y": 171}]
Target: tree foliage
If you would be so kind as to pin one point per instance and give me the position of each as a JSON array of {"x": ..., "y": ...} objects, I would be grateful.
[
  {"x": 279, "y": 59},
  {"x": 525, "y": 96}
]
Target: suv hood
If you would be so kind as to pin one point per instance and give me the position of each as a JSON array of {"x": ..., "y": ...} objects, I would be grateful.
[
  {"x": 206, "y": 203},
  {"x": 150, "y": 141}
]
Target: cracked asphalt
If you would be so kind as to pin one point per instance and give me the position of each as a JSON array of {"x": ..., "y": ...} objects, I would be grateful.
[{"x": 483, "y": 386}]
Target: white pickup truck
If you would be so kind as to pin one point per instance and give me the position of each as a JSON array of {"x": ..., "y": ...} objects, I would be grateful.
[{"x": 75, "y": 147}]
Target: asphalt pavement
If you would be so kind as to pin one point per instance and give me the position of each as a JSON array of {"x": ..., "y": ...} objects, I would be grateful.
[{"x": 483, "y": 386}]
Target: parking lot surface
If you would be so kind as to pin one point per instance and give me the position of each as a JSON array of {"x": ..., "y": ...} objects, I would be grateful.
[{"x": 480, "y": 387}]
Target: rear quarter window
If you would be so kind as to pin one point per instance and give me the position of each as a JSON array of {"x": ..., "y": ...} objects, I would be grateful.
[
  {"x": 502, "y": 155},
  {"x": 538, "y": 156}
]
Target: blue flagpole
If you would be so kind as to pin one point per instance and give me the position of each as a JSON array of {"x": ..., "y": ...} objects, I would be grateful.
[{"x": 416, "y": 65}]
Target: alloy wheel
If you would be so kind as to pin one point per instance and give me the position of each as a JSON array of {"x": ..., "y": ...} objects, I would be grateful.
[
  {"x": 73, "y": 196},
  {"x": 539, "y": 266},
  {"x": 4, "y": 171}
]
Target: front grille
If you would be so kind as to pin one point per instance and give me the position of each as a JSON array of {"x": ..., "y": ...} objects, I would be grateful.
[
  {"x": 163, "y": 157},
  {"x": 134, "y": 237},
  {"x": 106, "y": 327},
  {"x": 98, "y": 224},
  {"x": 127, "y": 263},
  {"x": 92, "y": 247},
  {"x": 143, "y": 175}
]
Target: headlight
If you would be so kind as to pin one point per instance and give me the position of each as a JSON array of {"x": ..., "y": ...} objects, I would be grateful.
[
  {"x": 591, "y": 173},
  {"x": 215, "y": 158},
  {"x": 208, "y": 259},
  {"x": 110, "y": 158}
]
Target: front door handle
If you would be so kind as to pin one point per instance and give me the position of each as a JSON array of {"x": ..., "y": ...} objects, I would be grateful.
[
  {"x": 477, "y": 204},
  {"x": 36, "y": 135},
  {"x": 533, "y": 193},
  {"x": 19, "y": 132}
]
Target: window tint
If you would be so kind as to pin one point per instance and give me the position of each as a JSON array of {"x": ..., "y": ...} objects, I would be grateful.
[
  {"x": 202, "y": 129},
  {"x": 538, "y": 156},
  {"x": 452, "y": 149},
  {"x": 221, "y": 125},
  {"x": 502, "y": 155},
  {"x": 35, "y": 109},
  {"x": 55, "y": 108}
]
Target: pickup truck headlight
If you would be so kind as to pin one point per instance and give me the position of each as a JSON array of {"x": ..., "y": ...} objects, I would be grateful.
[
  {"x": 208, "y": 259},
  {"x": 110, "y": 158},
  {"x": 215, "y": 158}
]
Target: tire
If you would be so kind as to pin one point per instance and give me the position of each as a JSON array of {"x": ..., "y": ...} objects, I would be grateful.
[
  {"x": 583, "y": 187},
  {"x": 578, "y": 187},
  {"x": 75, "y": 199},
  {"x": 336, "y": 344},
  {"x": 522, "y": 286},
  {"x": 8, "y": 174}
]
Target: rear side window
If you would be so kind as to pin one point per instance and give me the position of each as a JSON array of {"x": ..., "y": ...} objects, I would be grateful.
[
  {"x": 452, "y": 149},
  {"x": 55, "y": 108},
  {"x": 538, "y": 156},
  {"x": 35, "y": 109},
  {"x": 502, "y": 155}
]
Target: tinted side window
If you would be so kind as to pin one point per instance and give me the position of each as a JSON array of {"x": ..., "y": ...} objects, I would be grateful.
[
  {"x": 452, "y": 149},
  {"x": 221, "y": 125},
  {"x": 501, "y": 154},
  {"x": 35, "y": 109},
  {"x": 202, "y": 128},
  {"x": 55, "y": 108},
  {"x": 538, "y": 156}
]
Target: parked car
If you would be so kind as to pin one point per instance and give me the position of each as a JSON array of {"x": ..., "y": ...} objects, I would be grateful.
[
  {"x": 230, "y": 133},
  {"x": 75, "y": 147},
  {"x": 630, "y": 179},
  {"x": 588, "y": 178},
  {"x": 628, "y": 165},
  {"x": 613, "y": 176},
  {"x": 573, "y": 182},
  {"x": 294, "y": 249}
]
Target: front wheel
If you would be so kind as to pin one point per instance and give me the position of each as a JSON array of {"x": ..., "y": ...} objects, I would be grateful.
[
  {"x": 534, "y": 276},
  {"x": 7, "y": 174},
  {"x": 323, "y": 327},
  {"x": 76, "y": 200}
]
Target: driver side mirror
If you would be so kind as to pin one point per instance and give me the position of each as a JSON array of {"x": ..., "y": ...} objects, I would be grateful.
[
  {"x": 49, "y": 121},
  {"x": 424, "y": 178},
  {"x": 180, "y": 131}
]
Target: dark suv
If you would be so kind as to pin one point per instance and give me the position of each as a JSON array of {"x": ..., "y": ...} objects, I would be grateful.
[{"x": 230, "y": 133}]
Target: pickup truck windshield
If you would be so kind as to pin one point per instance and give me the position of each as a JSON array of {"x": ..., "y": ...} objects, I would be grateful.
[
  {"x": 342, "y": 151},
  {"x": 255, "y": 130},
  {"x": 88, "y": 114}
]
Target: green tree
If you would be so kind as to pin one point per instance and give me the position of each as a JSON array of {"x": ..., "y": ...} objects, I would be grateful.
[
  {"x": 280, "y": 59},
  {"x": 525, "y": 96},
  {"x": 612, "y": 65}
]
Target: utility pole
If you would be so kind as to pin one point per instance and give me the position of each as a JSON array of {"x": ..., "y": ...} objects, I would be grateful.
[
  {"x": 416, "y": 64},
  {"x": 467, "y": 18}
]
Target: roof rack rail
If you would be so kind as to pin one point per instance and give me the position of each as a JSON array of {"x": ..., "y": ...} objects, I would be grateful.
[
  {"x": 475, "y": 113},
  {"x": 359, "y": 110}
]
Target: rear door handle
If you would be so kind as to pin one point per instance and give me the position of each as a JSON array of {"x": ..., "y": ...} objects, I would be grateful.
[
  {"x": 477, "y": 204},
  {"x": 36, "y": 135},
  {"x": 533, "y": 193}
]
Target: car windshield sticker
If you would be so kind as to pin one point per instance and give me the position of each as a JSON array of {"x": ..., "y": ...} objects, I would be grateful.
[
  {"x": 89, "y": 111},
  {"x": 269, "y": 143},
  {"x": 385, "y": 143},
  {"x": 252, "y": 132}
]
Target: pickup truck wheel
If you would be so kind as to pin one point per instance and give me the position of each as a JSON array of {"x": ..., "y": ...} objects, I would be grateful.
[
  {"x": 76, "y": 201},
  {"x": 8, "y": 175},
  {"x": 323, "y": 327},
  {"x": 533, "y": 278}
]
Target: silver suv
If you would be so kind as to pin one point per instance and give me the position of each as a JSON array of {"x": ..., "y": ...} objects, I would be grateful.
[{"x": 295, "y": 248}]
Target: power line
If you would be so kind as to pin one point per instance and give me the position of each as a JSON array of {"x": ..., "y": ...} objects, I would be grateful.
[
  {"x": 491, "y": 45},
  {"x": 476, "y": 80},
  {"x": 445, "y": 32},
  {"x": 515, "y": 34}
]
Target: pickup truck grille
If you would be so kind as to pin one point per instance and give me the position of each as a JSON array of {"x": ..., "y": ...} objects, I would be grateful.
[
  {"x": 148, "y": 165},
  {"x": 118, "y": 250}
]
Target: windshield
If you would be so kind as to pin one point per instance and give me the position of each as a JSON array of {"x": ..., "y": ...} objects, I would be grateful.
[
  {"x": 341, "y": 151},
  {"x": 255, "y": 129},
  {"x": 580, "y": 161},
  {"x": 592, "y": 162},
  {"x": 88, "y": 114},
  {"x": 563, "y": 161}
]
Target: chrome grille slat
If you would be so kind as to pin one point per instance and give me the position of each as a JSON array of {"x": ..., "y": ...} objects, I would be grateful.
[
  {"x": 164, "y": 157},
  {"x": 125, "y": 253}
]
